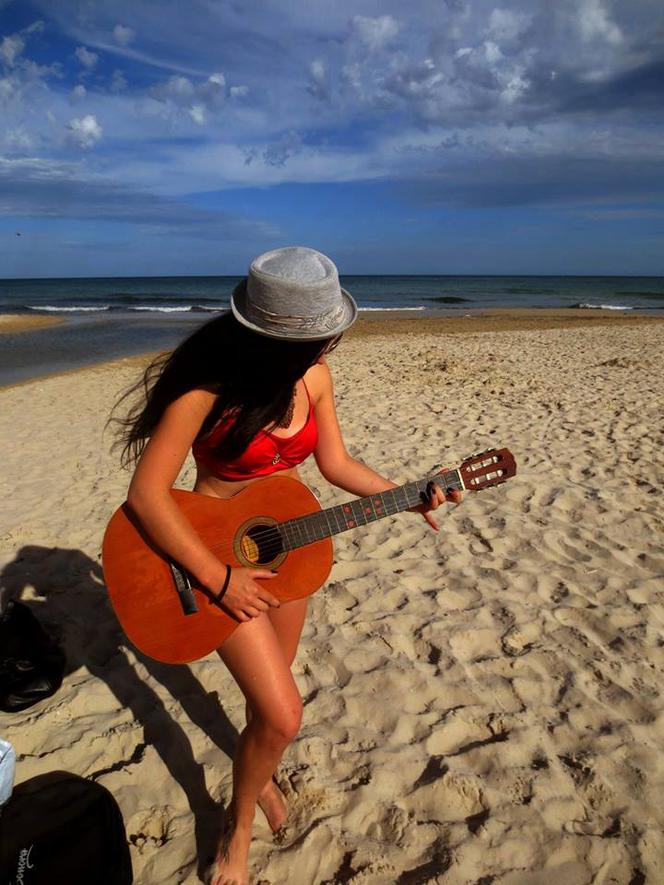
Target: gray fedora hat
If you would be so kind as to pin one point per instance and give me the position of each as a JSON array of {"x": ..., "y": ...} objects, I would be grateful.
[{"x": 293, "y": 293}]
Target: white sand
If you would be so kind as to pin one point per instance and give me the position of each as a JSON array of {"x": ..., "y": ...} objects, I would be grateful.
[{"x": 482, "y": 706}]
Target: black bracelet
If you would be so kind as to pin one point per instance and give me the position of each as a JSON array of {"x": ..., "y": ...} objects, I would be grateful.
[{"x": 227, "y": 579}]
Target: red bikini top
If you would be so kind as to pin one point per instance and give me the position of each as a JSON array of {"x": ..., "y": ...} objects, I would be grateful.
[{"x": 265, "y": 454}]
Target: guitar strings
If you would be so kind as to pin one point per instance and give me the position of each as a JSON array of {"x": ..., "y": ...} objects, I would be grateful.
[
  {"x": 273, "y": 539},
  {"x": 270, "y": 540},
  {"x": 275, "y": 529}
]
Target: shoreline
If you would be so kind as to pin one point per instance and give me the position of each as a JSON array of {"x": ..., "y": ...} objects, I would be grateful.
[
  {"x": 384, "y": 323},
  {"x": 506, "y": 319}
]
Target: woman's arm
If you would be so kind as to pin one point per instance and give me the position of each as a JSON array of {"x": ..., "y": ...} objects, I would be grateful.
[
  {"x": 340, "y": 468},
  {"x": 150, "y": 499},
  {"x": 149, "y": 491}
]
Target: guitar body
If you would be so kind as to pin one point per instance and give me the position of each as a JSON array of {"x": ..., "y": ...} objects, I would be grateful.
[{"x": 140, "y": 577}]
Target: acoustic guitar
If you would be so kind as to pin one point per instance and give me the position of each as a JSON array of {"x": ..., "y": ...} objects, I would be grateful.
[{"x": 276, "y": 523}]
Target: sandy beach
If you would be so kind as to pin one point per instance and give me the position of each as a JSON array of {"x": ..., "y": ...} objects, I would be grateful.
[{"x": 482, "y": 706}]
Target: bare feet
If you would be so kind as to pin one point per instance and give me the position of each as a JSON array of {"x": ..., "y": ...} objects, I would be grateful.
[
  {"x": 273, "y": 805},
  {"x": 231, "y": 863}
]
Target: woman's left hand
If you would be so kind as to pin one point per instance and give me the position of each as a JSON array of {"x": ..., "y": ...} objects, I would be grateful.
[{"x": 433, "y": 498}]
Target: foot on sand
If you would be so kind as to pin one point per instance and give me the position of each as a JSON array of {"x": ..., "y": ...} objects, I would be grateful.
[
  {"x": 230, "y": 866},
  {"x": 273, "y": 805}
]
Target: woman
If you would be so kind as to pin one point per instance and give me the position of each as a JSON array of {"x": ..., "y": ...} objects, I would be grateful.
[{"x": 250, "y": 392}]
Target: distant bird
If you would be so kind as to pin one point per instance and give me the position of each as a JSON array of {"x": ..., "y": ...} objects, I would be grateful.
[{"x": 18, "y": 233}]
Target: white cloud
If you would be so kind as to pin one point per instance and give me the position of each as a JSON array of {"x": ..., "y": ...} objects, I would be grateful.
[
  {"x": 78, "y": 93},
  {"x": 505, "y": 25},
  {"x": 7, "y": 90},
  {"x": 417, "y": 80},
  {"x": 594, "y": 22},
  {"x": 197, "y": 114},
  {"x": 17, "y": 140},
  {"x": 11, "y": 48},
  {"x": 375, "y": 32},
  {"x": 35, "y": 28},
  {"x": 176, "y": 89},
  {"x": 87, "y": 59},
  {"x": 123, "y": 35},
  {"x": 213, "y": 92},
  {"x": 492, "y": 52},
  {"x": 318, "y": 87},
  {"x": 238, "y": 91},
  {"x": 514, "y": 86},
  {"x": 118, "y": 82},
  {"x": 198, "y": 99},
  {"x": 84, "y": 132}
]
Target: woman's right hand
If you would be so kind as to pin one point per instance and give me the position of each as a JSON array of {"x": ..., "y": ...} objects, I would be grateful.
[{"x": 245, "y": 598}]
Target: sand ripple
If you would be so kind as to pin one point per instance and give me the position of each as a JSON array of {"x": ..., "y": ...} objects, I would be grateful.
[{"x": 482, "y": 706}]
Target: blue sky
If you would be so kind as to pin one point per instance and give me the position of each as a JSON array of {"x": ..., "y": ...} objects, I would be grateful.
[{"x": 164, "y": 137}]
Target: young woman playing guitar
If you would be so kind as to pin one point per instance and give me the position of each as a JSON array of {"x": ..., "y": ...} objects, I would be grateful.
[{"x": 250, "y": 392}]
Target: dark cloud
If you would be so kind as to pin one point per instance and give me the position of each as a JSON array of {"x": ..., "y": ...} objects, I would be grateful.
[
  {"x": 40, "y": 189},
  {"x": 277, "y": 154},
  {"x": 528, "y": 181},
  {"x": 641, "y": 88}
]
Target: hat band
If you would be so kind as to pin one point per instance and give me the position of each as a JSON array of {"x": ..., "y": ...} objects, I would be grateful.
[{"x": 321, "y": 322}]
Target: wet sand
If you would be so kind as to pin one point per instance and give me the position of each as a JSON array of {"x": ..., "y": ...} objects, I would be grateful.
[{"x": 18, "y": 323}]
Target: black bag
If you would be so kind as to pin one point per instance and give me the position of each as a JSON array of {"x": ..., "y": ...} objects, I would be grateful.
[
  {"x": 61, "y": 828},
  {"x": 31, "y": 664}
]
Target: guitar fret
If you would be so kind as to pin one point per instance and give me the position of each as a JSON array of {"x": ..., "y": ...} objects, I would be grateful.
[
  {"x": 328, "y": 523},
  {"x": 412, "y": 495},
  {"x": 358, "y": 512},
  {"x": 395, "y": 507},
  {"x": 314, "y": 527},
  {"x": 348, "y": 516},
  {"x": 323, "y": 528}
]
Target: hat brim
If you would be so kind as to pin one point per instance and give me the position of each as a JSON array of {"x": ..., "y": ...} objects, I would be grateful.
[{"x": 239, "y": 309}]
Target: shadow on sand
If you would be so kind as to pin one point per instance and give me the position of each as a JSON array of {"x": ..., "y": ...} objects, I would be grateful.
[{"x": 74, "y": 607}]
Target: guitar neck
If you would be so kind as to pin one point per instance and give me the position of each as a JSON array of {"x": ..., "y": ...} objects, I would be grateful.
[{"x": 323, "y": 524}]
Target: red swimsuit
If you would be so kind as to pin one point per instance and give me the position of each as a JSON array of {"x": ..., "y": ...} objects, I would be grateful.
[{"x": 265, "y": 454}]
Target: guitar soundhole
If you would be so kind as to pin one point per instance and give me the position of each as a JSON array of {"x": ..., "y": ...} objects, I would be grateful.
[{"x": 261, "y": 545}]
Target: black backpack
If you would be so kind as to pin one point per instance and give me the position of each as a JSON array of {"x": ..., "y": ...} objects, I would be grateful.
[
  {"x": 31, "y": 664},
  {"x": 61, "y": 828}
]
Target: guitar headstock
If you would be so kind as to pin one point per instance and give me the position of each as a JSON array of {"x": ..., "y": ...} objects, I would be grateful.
[{"x": 487, "y": 469}]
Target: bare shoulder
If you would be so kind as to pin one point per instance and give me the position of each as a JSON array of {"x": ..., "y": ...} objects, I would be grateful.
[
  {"x": 198, "y": 398},
  {"x": 318, "y": 380},
  {"x": 192, "y": 406}
]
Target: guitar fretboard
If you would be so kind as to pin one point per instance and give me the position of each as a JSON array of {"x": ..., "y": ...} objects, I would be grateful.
[{"x": 315, "y": 526}]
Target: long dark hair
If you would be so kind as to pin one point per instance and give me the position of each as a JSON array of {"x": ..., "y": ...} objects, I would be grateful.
[{"x": 252, "y": 375}]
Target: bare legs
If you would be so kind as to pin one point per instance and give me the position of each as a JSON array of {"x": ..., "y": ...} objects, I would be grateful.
[
  {"x": 259, "y": 654},
  {"x": 287, "y": 621}
]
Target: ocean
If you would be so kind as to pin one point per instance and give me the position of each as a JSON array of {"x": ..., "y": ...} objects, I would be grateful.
[{"x": 120, "y": 316}]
